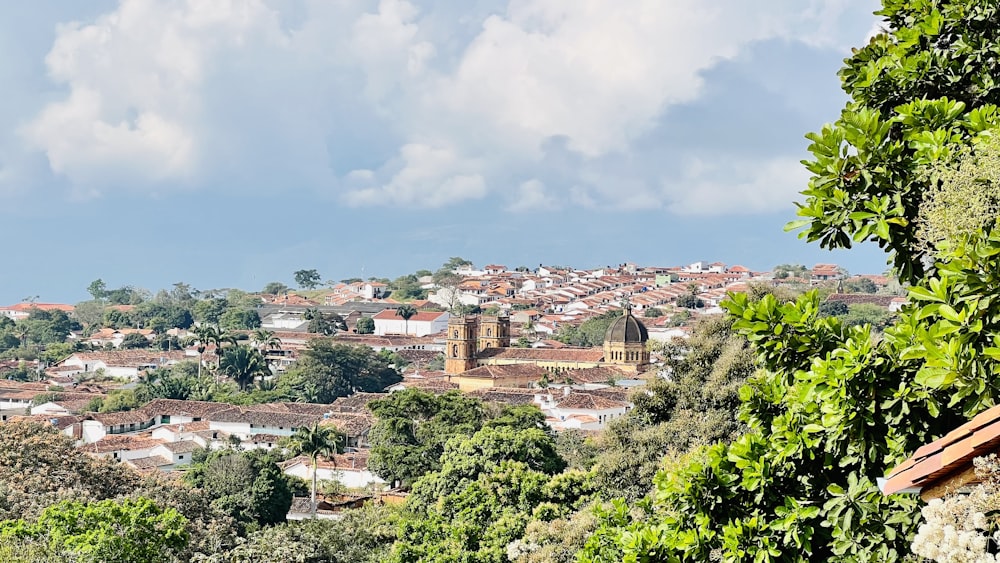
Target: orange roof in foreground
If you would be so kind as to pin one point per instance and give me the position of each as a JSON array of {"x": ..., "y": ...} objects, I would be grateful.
[{"x": 947, "y": 457}]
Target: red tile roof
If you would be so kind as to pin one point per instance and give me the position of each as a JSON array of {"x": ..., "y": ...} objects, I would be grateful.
[
  {"x": 934, "y": 462},
  {"x": 41, "y": 307},
  {"x": 540, "y": 354}
]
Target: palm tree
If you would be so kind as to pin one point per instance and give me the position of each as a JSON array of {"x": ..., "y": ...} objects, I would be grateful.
[
  {"x": 265, "y": 340},
  {"x": 314, "y": 441},
  {"x": 205, "y": 335},
  {"x": 22, "y": 331},
  {"x": 243, "y": 364},
  {"x": 407, "y": 312}
]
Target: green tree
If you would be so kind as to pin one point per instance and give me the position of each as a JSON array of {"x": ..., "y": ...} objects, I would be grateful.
[
  {"x": 326, "y": 370},
  {"x": 327, "y": 324},
  {"x": 315, "y": 441},
  {"x": 365, "y": 325},
  {"x": 307, "y": 279},
  {"x": 275, "y": 288},
  {"x": 98, "y": 289},
  {"x": 590, "y": 333},
  {"x": 406, "y": 312},
  {"x": 209, "y": 311},
  {"x": 411, "y": 430},
  {"x": 265, "y": 340},
  {"x": 239, "y": 319},
  {"x": 689, "y": 301},
  {"x": 833, "y": 308},
  {"x": 488, "y": 489},
  {"x": 244, "y": 365},
  {"x": 134, "y": 340},
  {"x": 107, "y": 531},
  {"x": 249, "y": 486}
]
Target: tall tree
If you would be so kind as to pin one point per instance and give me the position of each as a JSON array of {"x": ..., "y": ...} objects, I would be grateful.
[
  {"x": 315, "y": 441},
  {"x": 307, "y": 279},
  {"x": 98, "y": 289},
  {"x": 407, "y": 312},
  {"x": 243, "y": 364},
  {"x": 265, "y": 340}
]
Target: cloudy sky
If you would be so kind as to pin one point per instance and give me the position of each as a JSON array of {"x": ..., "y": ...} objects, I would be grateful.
[{"x": 227, "y": 143}]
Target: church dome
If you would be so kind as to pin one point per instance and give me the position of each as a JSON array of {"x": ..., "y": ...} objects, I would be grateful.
[{"x": 627, "y": 329}]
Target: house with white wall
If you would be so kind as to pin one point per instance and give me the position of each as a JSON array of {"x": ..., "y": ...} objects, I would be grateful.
[
  {"x": 422, "y": 324},
  {"x": 349, "y": 469}
]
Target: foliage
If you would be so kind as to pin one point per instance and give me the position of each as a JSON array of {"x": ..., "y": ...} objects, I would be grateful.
[
  {"x": 689, "y": 301},
  {"x": 108, "y": 531},
  {"x": 860, "y": 285},
  {"x": 365, "y": 325},
  {"x": 867, "y": 314},
  {"x": 40, "y": 467},
  {"x": 696, "y": 406},
  {"x": 120, "y": 400},
  {"x": 406, "y": 312},
  {"x": 590, "y": 333},
  {"x": 578, "y": 450},
  {"x": 359, "y": 536},
  {"x": 833, "y": 308},
  {"x": 248, "y": 486},
  {"x": 652, "y": 312},
  {"x": 327, "y": 324},
  {"x": 917, "y": 92},
  {"x": 326, "y": 370},
  {"x": 407, "y": 288},
  {"x": 963, "y": 196},
  {"x": 315, "y": 441},
  {"x": 244, "y": 365},
  {"x": 412, "y": 428},
  {"x": 239, "y": 319},
  {"x": 134, "y": 340},
  {"x": 307, "y": 279},
  {"x": 784, "y": 271},
  {"x": 489, "y": 487},
  {"x": 275, "y": 288}
]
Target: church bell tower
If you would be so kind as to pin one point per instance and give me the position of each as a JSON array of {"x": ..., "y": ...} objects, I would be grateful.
[{"x": 460, "y": 349}]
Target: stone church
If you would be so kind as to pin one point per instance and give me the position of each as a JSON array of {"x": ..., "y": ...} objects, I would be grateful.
[{"x": 478, "y": 353}]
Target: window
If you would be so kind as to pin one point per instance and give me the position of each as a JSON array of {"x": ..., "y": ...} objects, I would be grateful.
[
  {"x": 165, "y": 419},
  {"x": 489, "y": 332},
  {"x": 180, "y": 456}
]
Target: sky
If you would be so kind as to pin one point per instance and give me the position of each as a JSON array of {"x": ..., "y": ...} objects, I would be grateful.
[{"x": 229, "y": 143}]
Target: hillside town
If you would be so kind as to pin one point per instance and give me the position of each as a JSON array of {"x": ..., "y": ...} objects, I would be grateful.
[{"x": 492, "y": 333}]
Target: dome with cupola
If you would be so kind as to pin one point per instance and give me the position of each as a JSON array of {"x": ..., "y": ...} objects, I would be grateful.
[{"x": 626, "y": 329}]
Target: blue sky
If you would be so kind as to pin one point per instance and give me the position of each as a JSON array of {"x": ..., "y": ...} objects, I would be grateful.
[{"x": 228, "y": 143}]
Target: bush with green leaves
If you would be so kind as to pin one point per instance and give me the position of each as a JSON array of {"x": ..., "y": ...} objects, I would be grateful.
[{"x": 107, "y": 531}]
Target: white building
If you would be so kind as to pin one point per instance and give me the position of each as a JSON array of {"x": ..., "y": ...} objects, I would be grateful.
[
  {"x": 421, "y": 324},
  {"x": 350, "y": 470}
]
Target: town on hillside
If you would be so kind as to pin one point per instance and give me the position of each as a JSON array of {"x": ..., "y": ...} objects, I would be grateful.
[{"x": 576, "y": 344}]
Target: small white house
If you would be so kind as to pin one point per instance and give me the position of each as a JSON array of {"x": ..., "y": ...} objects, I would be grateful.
[{"x": 350, "y": 470}]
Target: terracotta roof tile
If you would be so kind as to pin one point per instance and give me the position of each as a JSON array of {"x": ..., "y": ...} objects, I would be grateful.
[
  {"x": 950, "y": 454},
  {"x": 561, "y": 355}
]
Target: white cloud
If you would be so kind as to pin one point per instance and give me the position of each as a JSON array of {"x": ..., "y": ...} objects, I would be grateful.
[
  {"x": 532, "y": 196},
  {"x": 422, "y": 176},
  {"x": 265, "y": 94},
  {"x": 735, "y": 187}
]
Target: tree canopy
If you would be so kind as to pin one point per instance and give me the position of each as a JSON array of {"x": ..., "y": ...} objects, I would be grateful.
[{"x": 832, "y": 408}]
